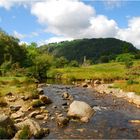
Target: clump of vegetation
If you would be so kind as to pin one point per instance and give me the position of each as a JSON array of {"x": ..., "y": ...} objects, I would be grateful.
[
  {"x": 34, "y": 95},
  {"x": 3, "y": 133},
  {"x": 25, "y": 133},
  {"x": 126, "y": 58},
  {"x": 37, "y": 103}
]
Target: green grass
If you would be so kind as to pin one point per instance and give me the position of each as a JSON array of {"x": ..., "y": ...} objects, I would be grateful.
[
  {"x": 99, "y": 71},
  {"x": 17, "y": 85},
  {"x": 108, "y": 72}
]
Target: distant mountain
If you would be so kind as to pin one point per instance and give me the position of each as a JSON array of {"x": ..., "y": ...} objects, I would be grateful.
[{"x": 93, "y": 49}]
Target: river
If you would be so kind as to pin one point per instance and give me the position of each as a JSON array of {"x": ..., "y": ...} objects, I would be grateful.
[{"x": 111, "y": 120}]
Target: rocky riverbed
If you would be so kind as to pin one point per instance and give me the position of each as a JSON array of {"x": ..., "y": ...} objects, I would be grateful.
[{"x": 48, "y": 118}]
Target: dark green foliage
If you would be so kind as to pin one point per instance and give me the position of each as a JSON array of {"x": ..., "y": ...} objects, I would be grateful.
[
  {"x": 3, "y": 133},
  {"x": 104, "y": 59},
  {"x": 60, "y": 62},
  {"x": 10, "y": 50},
  {"x": 93, "y": 49},
  {"x": 73, "y": 63},
  {"x": 130, "y": 82},
  {"x": 40, "y": 67}
]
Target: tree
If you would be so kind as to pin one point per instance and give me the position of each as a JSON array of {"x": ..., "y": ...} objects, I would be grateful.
[
  {"x": 40, "y": 67},
  {"x": 126, "y": 58}
]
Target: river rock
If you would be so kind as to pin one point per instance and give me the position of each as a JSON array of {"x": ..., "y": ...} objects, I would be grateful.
[
  {"x": 67, "y": 96},
  {"x": 15, "y": 107},
  {"x": 84, "y": 84},
  {"x": 40, "y": 117},
  {"x": 40, "y": 91},
  {"x": 25, "y": 98},
  {"x": 17, "y": 115},
  {"x": 81, "y": 110},
  {"x": 35, "y": 129},
  {"x": 61, "y": 120},
  {"x": 97, "y": 82},
  {"x": 34, "y": 113},
  {"x": 45, "y": 99},
  {"x": 7, "y": 124},
  {"x": 41, "y": 85}
]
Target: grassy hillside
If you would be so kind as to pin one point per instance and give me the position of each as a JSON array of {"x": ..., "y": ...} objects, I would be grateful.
[{"x": 93, "y": 49}]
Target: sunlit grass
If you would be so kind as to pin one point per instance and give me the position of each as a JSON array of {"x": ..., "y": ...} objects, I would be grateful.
[{"x": 17, "y": 85}]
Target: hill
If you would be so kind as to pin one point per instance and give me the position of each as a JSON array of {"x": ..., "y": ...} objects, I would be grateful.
[{"x": 93, "y": 49}]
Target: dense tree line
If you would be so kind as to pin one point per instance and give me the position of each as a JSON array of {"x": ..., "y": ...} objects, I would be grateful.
[{"x": 97, "y": 50}]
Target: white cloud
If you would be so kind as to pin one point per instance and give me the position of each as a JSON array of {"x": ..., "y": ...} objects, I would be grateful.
[
  {"x": 54, "y": 39},
  {"x": 110, "y": 4},
  {"x": 101, "y": 26},
  {"x": 70, "y": 19},
  {"x": 18, "y": 35},
  {"x": 7, "y": 4},
  {"x": 132, "y": 32},
  {"x": 65, "y": 17}
]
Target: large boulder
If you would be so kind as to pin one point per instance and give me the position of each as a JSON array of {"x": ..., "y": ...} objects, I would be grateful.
[
  {"x": 35, "y": 129},
  {"x": 81, "y": 110},
  {"x": 7, "y": 128}
]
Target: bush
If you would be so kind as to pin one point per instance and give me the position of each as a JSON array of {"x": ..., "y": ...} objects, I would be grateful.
[
  {"x": 3, "y": 133},
  {"x": 130, "y": 82},
  {"x": 25, "y": 133},
  {"x": 73, "y": 63},
  {"x": 104, "y": 59},
  {"x": 40, "y": 67},
  {"x": 34, "y": 95},
  {"x": 37, "y": 103}
]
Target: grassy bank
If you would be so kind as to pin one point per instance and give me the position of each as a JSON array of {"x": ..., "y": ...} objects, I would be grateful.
[
  {"x": 18, "y": 85},
  {"x": 109, "y": 72}
]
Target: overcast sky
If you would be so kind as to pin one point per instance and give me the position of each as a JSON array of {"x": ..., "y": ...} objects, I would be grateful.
[{"x": 45, "y": 21}]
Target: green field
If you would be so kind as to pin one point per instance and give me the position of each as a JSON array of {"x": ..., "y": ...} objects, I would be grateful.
[{"x": 108, "y": 72}]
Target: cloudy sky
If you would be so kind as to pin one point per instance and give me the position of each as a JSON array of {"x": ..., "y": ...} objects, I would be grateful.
[{"x": 45, "y": 21}]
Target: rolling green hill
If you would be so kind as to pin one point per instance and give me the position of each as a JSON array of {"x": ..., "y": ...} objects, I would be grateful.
[{"x": 93, "y": 49}]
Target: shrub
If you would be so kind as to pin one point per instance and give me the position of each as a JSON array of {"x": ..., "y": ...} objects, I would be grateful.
[
  {"x": 25, "y": 133},
  {"x": 34, "y": 95},
  {"x": 3, "y": 134},
  {"x": 130, "y": 82},
  {"x": 37, "y": 103}
]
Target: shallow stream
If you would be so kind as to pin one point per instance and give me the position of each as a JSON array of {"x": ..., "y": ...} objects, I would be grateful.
[{"x": 111, "y": 119}]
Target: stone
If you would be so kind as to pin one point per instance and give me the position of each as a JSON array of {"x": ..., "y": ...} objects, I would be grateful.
[
  {"x": 41, "y": 85},
  {"x": 7, "y": 124},
  {"x": 40, "y": 91},
  {"x": 45, "y": 99},
  {"x": 25, "y": 98},
  {"x": 84, "y": 85},
  {"x": 35, "y": 129},
  {"x": 97, "y": 82},
  {"x": 34, "y": 113},
  {"x": 11, "y": 98},
  {"x": 17, "y": 115},
  {"x": 61, "y": 120},
  {"x": 15, "y": 107},
  {"x": 40, "y": 117},
  {"x": 9, "y": 94},
  {"x": 134, "y": 121},
  {"x": 65, "y": 95},
  {"x": 81, "y": 110},
  {"x": 46, "y": 131},
  {"x": 46, "y": 117}
]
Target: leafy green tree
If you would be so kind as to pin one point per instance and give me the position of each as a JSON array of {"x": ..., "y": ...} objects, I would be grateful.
[
  {"x": 127, "y": 58},
  {"x": 40, "y": 67},
  {"x": 104, "y": 59}
]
